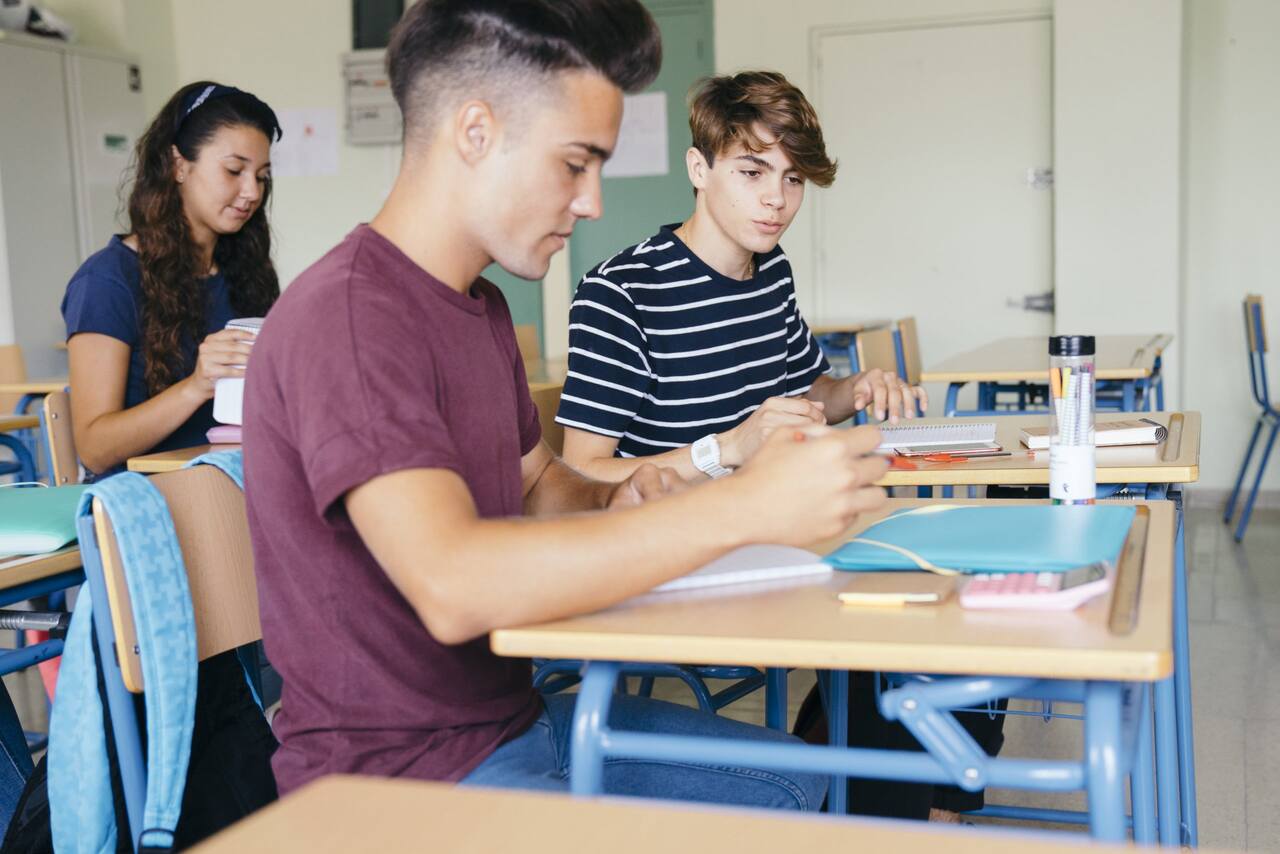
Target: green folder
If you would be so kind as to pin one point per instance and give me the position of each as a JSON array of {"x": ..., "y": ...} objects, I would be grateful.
[{"x": 36, "y": 520}]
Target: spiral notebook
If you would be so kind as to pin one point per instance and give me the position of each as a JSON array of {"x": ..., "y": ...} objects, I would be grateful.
[{"x": 963, "y": 439}]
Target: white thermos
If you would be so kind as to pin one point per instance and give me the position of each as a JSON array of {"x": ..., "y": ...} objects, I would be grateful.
[{"x": 228, "y": 392}]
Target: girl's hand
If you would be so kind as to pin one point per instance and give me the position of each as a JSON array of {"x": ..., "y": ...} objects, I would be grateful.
[{"x": 222, "y": 354}]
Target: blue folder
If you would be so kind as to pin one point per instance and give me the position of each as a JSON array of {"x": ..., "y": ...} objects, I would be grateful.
[{"x": 983, "y": 538}]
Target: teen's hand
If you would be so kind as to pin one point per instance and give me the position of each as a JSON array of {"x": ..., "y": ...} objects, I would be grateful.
[
  {"x": 889, "y": 396},
  {"x": 808, "y": 485},
  {"x": 222, "y": 354},
  {"x": 647, "y": 483},
  {"x": 741, "y": 443}
]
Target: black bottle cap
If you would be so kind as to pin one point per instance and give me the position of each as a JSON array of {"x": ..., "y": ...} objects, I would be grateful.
[{"x": 1071, "y": 345}]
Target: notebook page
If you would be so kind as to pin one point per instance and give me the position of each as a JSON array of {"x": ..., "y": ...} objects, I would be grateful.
[{"x": 936, "y": 435}]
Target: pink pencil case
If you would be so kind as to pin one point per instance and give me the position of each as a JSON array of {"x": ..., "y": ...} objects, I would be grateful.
[{"x": 224, "y": 434}]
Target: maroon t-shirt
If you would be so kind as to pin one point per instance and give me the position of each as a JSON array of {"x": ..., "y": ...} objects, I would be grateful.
[{"x": 369, "y": 365}]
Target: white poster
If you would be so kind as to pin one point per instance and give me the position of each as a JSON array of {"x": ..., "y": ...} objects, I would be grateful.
[
  {"x": 309, "y": 145},
  {"x": 642, "y": 139}
]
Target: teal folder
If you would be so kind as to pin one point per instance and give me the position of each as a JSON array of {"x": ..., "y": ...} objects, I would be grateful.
[
  {"x": 984, "y": 538},
  {"x": 35, "y": 520}
]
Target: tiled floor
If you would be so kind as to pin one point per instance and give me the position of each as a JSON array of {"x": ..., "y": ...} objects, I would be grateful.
[{"x": 1235, "y": 644}]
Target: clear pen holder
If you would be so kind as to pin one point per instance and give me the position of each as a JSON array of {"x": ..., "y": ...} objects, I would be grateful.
[{"x": 1072, "y": 464}]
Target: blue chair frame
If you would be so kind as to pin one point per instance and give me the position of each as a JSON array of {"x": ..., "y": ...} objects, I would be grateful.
[{"x": 1267, "y": 417}]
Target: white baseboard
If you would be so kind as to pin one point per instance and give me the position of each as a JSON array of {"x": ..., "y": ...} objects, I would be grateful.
[{"x": 1197, "y": 497}]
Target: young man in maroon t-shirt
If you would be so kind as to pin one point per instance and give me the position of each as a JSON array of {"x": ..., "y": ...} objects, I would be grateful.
[{"x": 394, "y": 459}]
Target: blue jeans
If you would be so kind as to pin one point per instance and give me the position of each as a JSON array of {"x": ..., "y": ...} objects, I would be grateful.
[{"x": 539, "y": 759}]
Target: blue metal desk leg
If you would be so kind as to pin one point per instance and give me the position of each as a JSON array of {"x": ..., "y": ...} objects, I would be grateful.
[
  {"x": 1167, "y": 772},
  {"x": 590, "y": 715},
  {"x": 953, "y": 396},
  {"x": 837, "y": 734},
  {"x": 1142, "y": 781},
  {"x": 1182, "y": 683},
  {"x": 775, "y": 698},
  {"x": 1128, "y": 395},
  {"x": 22, "y": 455},
  {"x": 1104, "y": 766}
]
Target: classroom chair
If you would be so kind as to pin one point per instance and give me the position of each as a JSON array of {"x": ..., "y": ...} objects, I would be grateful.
[
  {"x": 548, "y": 402},
  {"x": 59, "y": 440},
  {"x": 907, "y": 342},
  {"x": 876, "y": 348},
  {"x": 527, "y": 342},
  {"x": 1256, "y": 336},
  {"x": 13, "y": 369},
  {"x": 210, "y": 523}
]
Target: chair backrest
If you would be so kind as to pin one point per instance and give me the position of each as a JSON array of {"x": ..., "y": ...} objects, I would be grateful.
[
  {"x": 13, "y": 369},
  {"x": 213, "y": 532},
  {"x": 548, "y": 402},
  {"x": 55, "y": 415},
  {"x": 910, "y": 365},
  {"x": 876, "y": 349},
  {"x": 1254, "y": 326},
  {"x": 527, "y": 341}
]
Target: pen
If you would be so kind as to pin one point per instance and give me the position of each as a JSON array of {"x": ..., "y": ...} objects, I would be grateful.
[{"x": 953, "y": 458}]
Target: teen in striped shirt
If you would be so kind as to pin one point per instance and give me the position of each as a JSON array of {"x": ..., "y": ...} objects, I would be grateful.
[{"x": 688, "y": 348}]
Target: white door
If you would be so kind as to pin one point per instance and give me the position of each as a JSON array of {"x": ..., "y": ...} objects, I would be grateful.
[{"x": 933, "y": 214}]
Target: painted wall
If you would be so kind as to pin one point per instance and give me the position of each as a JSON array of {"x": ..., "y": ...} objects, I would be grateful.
[{"x": 1231, "y": 212}]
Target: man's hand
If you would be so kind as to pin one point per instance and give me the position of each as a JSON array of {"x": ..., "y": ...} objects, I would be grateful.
[
  {"x": 740, "y": 444},
  {"x": 889, "y": 396},
  {"x": 647, "y": 483},
  {"x": 808, "y": 485}
]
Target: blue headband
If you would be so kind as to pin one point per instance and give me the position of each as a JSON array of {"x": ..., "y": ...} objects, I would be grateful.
[{"x": 213, "y": 91}]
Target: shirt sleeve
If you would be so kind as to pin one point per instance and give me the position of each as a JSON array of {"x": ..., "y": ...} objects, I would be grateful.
[
  {"x": 608, "y": 360},
  {"x": 103, "y": 303},
  {"x": 805, "y": 359},
  {"x": 358, "y": 409}
]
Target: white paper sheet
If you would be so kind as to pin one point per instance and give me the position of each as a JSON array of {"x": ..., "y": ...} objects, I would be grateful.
[
  {"x": 642, "y": 139},
  {"x": 309, "y": 145}
]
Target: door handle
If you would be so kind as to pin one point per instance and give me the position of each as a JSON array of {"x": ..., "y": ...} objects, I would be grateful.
[{"x": 1033, "y": 302}]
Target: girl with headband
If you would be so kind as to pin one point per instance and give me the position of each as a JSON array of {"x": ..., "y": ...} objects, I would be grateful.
[{"x": 146, "y": 314}]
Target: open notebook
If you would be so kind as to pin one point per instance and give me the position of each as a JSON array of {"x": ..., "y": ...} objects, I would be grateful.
[
  {"x": 962, "y": 438},
  {"x": 751, "y": 564}
]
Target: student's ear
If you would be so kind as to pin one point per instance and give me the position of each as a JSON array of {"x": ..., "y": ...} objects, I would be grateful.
[
  {"x": 698, "y": 168},
  {"x": 474, "y": 131},
  {"x": 181, "y": 166}
]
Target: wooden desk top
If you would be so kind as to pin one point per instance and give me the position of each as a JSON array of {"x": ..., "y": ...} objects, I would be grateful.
[
  {"x": 1175, "y": 460},
  {"x": 45, "y": 386},
  {"x": 1119, "y": 357},
  {"x": 802, "y": 624},
  {"x": 342, "y": 814},
  {"x": 26, "y": 568},
  {"x": 18, "y": 422},
  {"x": 173, "y": 460},
  {"x": 835, "y": 327}
]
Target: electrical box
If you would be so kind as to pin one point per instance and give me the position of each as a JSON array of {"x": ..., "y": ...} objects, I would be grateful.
[{"x": 373, "y": 118}]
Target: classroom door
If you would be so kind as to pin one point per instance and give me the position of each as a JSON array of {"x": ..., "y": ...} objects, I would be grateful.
[
  {"x": 635, "y": 207},
  {"x": 943, "y": 204}
]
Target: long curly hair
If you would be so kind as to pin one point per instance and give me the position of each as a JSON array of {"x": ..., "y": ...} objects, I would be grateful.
[{"x": 174, "y": 310}]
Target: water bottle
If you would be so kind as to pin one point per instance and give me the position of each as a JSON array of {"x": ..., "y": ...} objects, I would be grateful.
[
  {"x": 1072, "y": 474},
  {"x": 228, "y": 392}
]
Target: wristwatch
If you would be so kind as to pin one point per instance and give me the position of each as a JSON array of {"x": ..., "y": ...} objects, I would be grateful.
[{"x": 706, "y": 456}]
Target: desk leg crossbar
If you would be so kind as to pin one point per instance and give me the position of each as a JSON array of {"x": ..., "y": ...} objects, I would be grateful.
[{"x": 1117, "y": 722}]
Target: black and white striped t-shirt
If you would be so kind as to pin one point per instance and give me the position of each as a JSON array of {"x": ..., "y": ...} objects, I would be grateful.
[{"x": 664, "y": 350}]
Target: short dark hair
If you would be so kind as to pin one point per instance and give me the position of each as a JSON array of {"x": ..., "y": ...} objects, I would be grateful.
[
  {"x": 445, "y": 47},
  {"x": 725, "y": 110}
]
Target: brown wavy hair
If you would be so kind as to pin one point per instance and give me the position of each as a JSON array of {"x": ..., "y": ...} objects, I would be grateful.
[
  {"x": 725, "y": 110},
  {"x": 167, "y": 255}
]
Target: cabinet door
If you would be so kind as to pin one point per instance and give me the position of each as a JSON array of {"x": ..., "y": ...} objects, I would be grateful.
[
  {"x": 106, "y": 121},
  {"x": 36, "y": 193}
]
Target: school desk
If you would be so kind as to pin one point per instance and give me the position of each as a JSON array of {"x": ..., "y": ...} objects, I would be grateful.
[
  {"x": 21, "y": 453},
  {"x": 1063, "y": 656},
  {"x": 27, "y": 576},
  {"x": 30, "y": 390},
  {"x": 1131, "y": 361},
  {"x": 341, "y": 814},
  {"x": 1155, "y": 472}
]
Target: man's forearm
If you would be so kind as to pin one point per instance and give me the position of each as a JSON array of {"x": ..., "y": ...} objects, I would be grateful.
[
  {"x": 617, "y": 469},
  {"x": 836, "y": 396},
  {"x": 563, "y": 489}
]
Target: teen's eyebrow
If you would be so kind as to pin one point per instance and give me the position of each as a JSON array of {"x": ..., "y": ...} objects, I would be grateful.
[
  {"x": 244, "y": 160},
  {"x": 758, "y": 161},
  {"x": 594, "y": 150}
]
